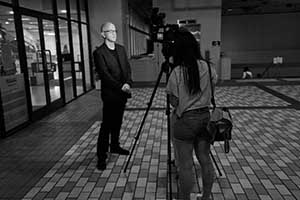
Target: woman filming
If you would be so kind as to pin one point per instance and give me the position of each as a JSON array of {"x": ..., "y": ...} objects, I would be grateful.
[{"x": 189, "y": 90}]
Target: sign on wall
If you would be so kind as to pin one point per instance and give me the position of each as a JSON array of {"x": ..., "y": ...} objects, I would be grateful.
[{"x": 14, "y": 101}]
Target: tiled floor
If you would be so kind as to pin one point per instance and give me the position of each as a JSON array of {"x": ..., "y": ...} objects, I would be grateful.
[{"x": 55, "y": 158}]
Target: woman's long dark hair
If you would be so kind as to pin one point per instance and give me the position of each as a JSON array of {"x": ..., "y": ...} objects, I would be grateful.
[{"x": 187, "y": 52}]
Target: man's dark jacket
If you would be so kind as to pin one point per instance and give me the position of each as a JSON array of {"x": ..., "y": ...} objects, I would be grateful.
[{"x": 113, "y": 73}]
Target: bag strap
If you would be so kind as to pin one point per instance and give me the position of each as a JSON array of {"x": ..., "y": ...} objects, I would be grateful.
[
  {"x": 213, "y": 102},
  {"x": 227, "y": 110}
]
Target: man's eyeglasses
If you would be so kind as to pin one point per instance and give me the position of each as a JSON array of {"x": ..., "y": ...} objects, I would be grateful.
[{"x": 110, "y": 31}]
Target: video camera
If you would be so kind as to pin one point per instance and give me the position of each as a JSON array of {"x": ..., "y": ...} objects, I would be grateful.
[{"x": 165, "y": 34}]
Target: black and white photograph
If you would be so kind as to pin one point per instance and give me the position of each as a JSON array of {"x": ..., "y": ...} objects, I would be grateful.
[{"x": 149, "y": 99}]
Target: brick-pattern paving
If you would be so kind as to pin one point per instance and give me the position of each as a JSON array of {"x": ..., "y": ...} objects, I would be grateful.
[
  {"x": 28, "y": 154},
  {"x": 242, "y": 96},
  {"x": 292, "y": 91},
  {"x": 141, "y": 97},
  {"x": 245, "y": 96},
  {"x": 263, "y": 162},
  {"x": 146, "y": 176}
]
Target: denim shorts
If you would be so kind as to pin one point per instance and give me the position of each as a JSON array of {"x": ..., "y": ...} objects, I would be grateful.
[{"x": 192, "y": 124}]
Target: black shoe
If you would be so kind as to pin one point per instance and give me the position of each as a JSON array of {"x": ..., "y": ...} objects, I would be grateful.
[
  {"x": 101, "y": 165},
  {"x": 119, "y": 150}
]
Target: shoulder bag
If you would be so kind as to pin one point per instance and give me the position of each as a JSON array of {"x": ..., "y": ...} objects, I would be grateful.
[{"x": 220, "y": 124}]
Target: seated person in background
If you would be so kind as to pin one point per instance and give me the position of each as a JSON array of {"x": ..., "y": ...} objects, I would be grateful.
[{"x": 247, "y": 74}]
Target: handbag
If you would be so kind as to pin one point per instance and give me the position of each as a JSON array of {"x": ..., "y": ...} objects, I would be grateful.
[{"x": 220, "y": 123}]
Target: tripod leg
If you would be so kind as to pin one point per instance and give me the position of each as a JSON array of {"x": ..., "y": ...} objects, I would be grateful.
[
  {"x": 144, "y": 118},
  {"x": 216, "y": 164}
]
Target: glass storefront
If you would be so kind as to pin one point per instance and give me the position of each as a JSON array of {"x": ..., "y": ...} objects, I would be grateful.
[
  {"x": 77, "y": 58},
  {"x": 53, "y": 67},
  {"x": 86, "y": 56},
  {"x": 82, "y": 10},
  {"x": 66, "y": 59},
  {"x": 51, "y": 59},
  {"x": 61, "y": 8},
  {"x": 42, "y": 62},
  {"x": 13, "y": 100},
  {"x": 9, "y": 60},
  {"x": 73, "y": 9},
  {"x": 34, "y": 62}
]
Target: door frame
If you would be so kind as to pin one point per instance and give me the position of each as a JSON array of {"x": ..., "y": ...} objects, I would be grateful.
[{"x": 50, "y": 106}]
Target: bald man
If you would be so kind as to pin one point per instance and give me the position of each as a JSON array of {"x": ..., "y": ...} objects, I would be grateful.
[{"x": 113, "y": 68}]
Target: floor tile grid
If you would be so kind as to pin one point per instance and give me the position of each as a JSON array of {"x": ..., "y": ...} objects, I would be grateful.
[
  {"x": 231, "y": 186},
  {"x": 28, "y": 154},
  {"x": 243, "y": 96},
  {"x": 141, "y": 98},
  {"x": 246, "y": 96},
  {"x": 292, "y": 91},
  {"x": 74, "y": 155},
  {"x": 257, "y": 161},
  {"x": 238, "y": 190}
]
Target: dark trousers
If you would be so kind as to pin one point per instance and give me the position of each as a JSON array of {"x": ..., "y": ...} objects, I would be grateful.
[{"x": 111, "y": 124}]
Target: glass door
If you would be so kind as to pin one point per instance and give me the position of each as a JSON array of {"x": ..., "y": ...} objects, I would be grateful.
[
  {"x": 66, "y": 59},
  {"x": 51, "y": 60},
  {"x": 41, "y": 54}
]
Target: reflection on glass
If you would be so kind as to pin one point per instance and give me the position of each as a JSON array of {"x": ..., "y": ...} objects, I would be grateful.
[
  {"x": 66, "y": 59},
  {"x": 13, "y": 94},
  {"x": 86, "y": 57},
  {"x": 9, "y": 57},
  {"x": 61, "y": 8},
  {"x": 34, "y": 62},
  {"x": 51, "y": 59},
  {"x": 40, "y": 5},
  {"x": 82, "y": 10},
  {"x": 77, "y": 58},
  {"x": 73, "y": 9}
]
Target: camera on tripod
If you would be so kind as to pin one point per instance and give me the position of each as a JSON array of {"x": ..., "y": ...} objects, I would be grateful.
[{"x": 165, "y": 34}]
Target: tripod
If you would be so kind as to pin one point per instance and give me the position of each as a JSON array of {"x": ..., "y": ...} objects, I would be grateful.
[{"x": 165, "y": 67}]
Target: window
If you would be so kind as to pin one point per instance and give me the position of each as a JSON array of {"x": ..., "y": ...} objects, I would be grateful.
[
  {"x": 86, "y": 56},
  {"x": 138, "y": 35},
  {"x": 61, "y": 8},
  {"x": 82, "y": 10},
  {"x": 9, "y": 57},
  {"x": 77, "y": 57},
  {"x": 73, "y": 9}
]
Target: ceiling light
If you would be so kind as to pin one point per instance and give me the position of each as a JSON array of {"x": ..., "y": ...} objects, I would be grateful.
[
  {"x": 63, "y": 11},
  {"x": 50, "y": 33},
  {"x": 11, "y": 12}
]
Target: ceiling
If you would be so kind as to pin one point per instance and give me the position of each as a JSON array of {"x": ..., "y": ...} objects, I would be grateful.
[
  {"x": 233, "y": 7},
  {"x": 248, "y": 7},
  {"x": 141, "y": 7}
]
